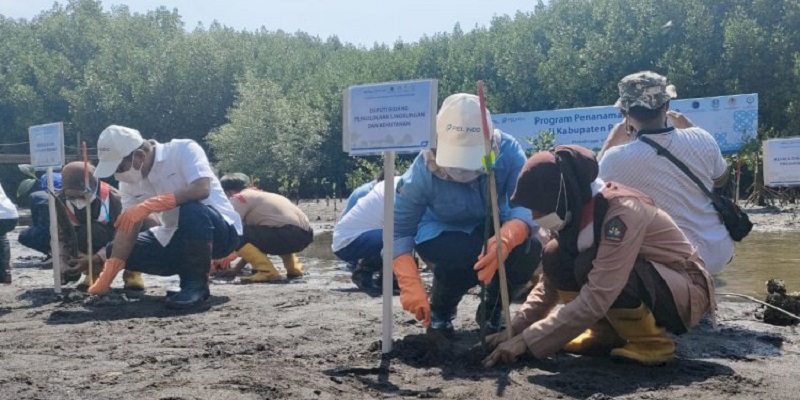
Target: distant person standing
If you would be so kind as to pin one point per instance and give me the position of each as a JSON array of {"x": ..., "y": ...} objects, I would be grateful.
[
  {"x": 8, "y": 221},
  {"x": 644, "y": 101}
]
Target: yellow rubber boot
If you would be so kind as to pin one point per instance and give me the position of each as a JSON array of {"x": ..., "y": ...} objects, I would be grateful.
[
  {"x": 567, "y": 297},
  {"x": 647, "y": 343},
  {"x": 133, "y": 280},
  {"x": 292, "y": 264},
  {"x": 265, "y": 271},
  {"x": 597, "y": 340}
]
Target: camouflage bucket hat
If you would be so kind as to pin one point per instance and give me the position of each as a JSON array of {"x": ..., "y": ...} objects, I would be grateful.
[{"x": 646, "y": 89}]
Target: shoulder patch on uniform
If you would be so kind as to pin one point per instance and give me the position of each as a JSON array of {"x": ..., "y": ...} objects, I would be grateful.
[
  {"x": 615, "y": 229},
  {"x": 399, "y": 189}
]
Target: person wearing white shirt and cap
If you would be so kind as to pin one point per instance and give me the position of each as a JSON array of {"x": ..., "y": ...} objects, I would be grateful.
[{"x": 198, "y": 222}]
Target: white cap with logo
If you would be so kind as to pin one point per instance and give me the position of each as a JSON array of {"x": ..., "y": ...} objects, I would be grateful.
[
  {"x": 115, "y": 143},
  {"x": 459, "y": 133}
]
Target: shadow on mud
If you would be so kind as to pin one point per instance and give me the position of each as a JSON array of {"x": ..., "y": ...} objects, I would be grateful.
[
  {"x": 72, "y": 307},
  {"x": 582, "y": 377}
]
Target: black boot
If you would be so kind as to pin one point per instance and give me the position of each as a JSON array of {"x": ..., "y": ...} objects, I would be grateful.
[
  {"x": 194, "y": 277},
  {"x": 364, "y": 275}
]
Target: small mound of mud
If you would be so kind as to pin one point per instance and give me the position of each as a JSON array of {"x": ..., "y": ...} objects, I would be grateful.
[{"x": 431, "y": 350}]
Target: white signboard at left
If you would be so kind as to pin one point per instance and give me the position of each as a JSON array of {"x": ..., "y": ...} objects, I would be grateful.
[
  {"x": 392, "y": 116},
  {"x": 47, "y": 145}
]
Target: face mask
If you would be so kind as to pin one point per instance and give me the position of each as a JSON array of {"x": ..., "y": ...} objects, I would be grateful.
[
  {"x": 461, "y": 175},
  {"x": 78, "y": 204},
  {"x": 552, "y": 221},
  {"x": 132, "y": 175}
]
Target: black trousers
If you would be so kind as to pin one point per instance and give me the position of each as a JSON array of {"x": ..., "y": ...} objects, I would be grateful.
[
  {"x": 277, "y": 241},
  {"x": 454, "y": 255},
  {"x": 644, "y": 284}
]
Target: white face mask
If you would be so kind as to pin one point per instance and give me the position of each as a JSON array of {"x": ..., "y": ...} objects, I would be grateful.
[
  {"x": 552, "y": 221},
  {"x": 132, "y": 175},
  {"x": 79, "y": 204},
  {"x": 461, "y": 175}
]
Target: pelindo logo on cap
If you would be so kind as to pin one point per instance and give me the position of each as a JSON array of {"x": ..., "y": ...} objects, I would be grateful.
[{"x": 468, "y": 129}]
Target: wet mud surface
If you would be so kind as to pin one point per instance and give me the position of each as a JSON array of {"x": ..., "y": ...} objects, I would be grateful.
[{"x": 319, "y": 338}]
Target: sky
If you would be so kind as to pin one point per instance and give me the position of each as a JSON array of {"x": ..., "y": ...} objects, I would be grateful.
[{"x": 361, "y": 22}]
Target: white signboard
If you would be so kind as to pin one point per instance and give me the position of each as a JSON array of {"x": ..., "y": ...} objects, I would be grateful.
[
  {"x": 732, "y": 120},
  {"x": 393, "y": 116},
  {"x": 47, "y": 145},
  {"x": 782, "y": 162}
]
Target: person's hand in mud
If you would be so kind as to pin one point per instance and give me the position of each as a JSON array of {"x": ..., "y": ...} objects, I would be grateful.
[
  {"x": 496, "y": 339},
  {"x": 230, "y": 272},
  {"x": 224, "y": 262},
  {"x": 679, "y": 121},
  {"x": 507, "y": 351}
]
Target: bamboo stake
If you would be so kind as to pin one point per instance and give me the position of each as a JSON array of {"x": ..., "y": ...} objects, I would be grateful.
[
  {"x": 88, "y": 197},
  {"x": 488, "y": 161}
]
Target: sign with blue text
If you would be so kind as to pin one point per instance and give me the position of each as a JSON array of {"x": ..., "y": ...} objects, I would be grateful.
[
  {"x": 47, "y": 145},
  {"x": 392, "y": 116},
  {"x": 732, "y": 120},
  {"x": 782, "y": 162}
]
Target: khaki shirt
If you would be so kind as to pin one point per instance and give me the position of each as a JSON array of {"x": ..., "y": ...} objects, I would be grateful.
[
  {"x": 261, "y": 208},
  {"x": 646, "y": 231}
]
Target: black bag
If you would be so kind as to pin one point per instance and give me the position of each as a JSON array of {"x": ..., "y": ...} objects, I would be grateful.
[{"x": 735, "y": 220}]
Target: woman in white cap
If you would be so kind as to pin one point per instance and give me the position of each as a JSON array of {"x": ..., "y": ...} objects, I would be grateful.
[{"x": 441, "y": 209}]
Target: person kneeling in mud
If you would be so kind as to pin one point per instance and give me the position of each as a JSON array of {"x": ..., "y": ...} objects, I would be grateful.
[
  {"x": 272, "y": 225},
  {"x": 358, "y": 239},
  {"x": 441, "y": 210},
  {"x": 173, "y": 180},
  {"x": 105, "y": 205},
  {"x": 621, "y": 265}
]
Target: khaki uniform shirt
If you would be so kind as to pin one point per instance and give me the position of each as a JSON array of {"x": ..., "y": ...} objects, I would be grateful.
[
  {"x": 645, "y": 231},
  {"x": 261, "y": 208}
]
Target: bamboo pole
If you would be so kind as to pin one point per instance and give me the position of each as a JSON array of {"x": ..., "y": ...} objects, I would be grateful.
[
  {"x": 488, "y": 161},
  {"x": 88, "y": 197}
]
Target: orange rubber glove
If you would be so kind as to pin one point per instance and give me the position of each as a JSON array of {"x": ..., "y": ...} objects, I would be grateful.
[
  {"x": 512, "y": 234},
  {"x": 138, "y": 213},
  {"x": 413, "y": 296},
  {"x": 111, "y": 268}
]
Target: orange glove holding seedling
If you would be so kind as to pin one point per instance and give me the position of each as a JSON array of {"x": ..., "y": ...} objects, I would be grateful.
[
  {"x": 413, "y": 296},
  {"x": 110, "y": 270},
  {"x": 512, "y": 234},
  {"x": 138, "y": 213}
]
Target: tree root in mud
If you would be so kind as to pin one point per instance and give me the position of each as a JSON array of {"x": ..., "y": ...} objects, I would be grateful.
[{"x": 777, "y": 296}]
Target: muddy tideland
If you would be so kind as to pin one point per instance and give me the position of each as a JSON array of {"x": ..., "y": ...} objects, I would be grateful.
[{"x": 319, "y": 338}]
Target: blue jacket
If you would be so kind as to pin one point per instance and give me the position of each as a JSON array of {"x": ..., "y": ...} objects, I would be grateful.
[
  {"x": 357, "y": 193},
  {"x": 426, "y": 206}
]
